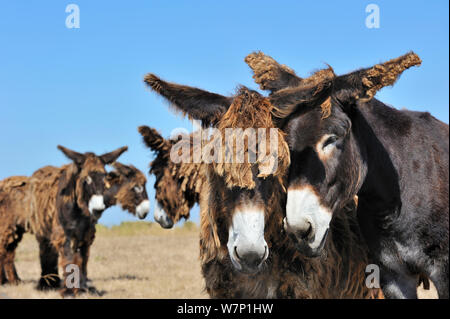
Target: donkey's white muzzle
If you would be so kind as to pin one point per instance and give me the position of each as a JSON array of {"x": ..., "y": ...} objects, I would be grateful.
[
  {"x": 246, "y": 244},
  {"x": 307, "y": 219},
  {"x": 161, "y": 217},
  {"x": 96, "y": 203},
  {"x": 142, "y": 209}
]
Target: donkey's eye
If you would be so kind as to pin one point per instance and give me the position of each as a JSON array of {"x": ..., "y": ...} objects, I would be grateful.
[
  {"x": 89, "y": 180},
  {"x": 329, "y": 141},
  {"x": 138, "y": 189}
]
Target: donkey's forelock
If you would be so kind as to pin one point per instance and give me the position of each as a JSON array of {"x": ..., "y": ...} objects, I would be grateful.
[
  {"x": 92, "y": 164},
  {"x": 250, "y": 110}
]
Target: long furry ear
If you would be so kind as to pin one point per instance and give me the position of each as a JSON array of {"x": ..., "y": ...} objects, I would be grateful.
[
  {"x": 196, "y": 103},
  {"x": 313, "y": 90},
  {"x": 124, "y": 169},
  {"x": 367, "y": 82},
  {"x": 154, "y": 140},
  {"x": 269, "y": 74},
  {"x": 76, "y": 157},
  {"x": 110, "y": 157}
]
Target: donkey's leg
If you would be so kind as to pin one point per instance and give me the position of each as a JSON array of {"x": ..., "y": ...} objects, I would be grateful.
[
  {"x": 2, "y": 274},
  {"x": 71, "y": 263},
  {"x": 3, "y": 253},
  {"x": 74, "y": 281},
  {"x": 85, "y": 252},
  {"x": 6, "y": 237},
  {"x": 397, "y": 284},
  {"x": 87, "y": 284},
  {"x": 9, "y": 267},
  {"x": 49, "y": 265},
  {"x": 440, "y": 276}
]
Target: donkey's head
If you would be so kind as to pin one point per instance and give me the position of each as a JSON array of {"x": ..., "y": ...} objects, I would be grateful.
[
  {"x": 126, "y": 185},
  {"x": 89, "y": 177},
  {"x": 247, "y": 159},
  {"x": 175, "y": 194},
  {"x": 318, "y": 114}
]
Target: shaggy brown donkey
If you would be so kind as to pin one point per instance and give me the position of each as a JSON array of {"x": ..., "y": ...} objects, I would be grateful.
[
  {"x": 242, "y": 210},
  {"x": 344, "y": 143},
  {"x": 177, "y": 186},
  {"x": 125, "y": 185},
  {"x": 12, "y": 225},
  {"x": 58, "y": 205}
]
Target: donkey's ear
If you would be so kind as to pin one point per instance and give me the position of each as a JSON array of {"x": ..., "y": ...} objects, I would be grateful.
[
  {"x": 123, "y": 169},
  {"x": 366, "y": 83},
  {"x": 112, "y": 175},
  {"x": 76, "y": 157},
  {"x": 313, "y": 91},
  {"x": 108, "y": 158},
  {"x": 154, "y": 140},
  {"x": 197, "y": 104},
  {"x": 269, "y": 74}
]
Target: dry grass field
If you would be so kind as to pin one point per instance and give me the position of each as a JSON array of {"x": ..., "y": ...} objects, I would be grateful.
[{"x": 133, "y": 260}]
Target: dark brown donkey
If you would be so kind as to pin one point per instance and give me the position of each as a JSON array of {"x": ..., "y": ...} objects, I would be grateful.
[
  {"x": 59, "y": 206},
  {"x": 125, "y": 185},
  {"x": 177, "y": 186},
  {"x": 344, "y": 143},
  {"x": 242, "y": 210}
]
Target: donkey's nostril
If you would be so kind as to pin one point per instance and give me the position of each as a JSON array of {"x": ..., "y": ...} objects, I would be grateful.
[
  {"x": 306, "y": 234},
  {"x": 168, "y": 222},
  {"x": 251, "y": 259},
  {"x": 236, "y": 253}
]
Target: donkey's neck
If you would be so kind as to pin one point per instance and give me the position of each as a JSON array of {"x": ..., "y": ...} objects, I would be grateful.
[{"x": 376, "y": 128}]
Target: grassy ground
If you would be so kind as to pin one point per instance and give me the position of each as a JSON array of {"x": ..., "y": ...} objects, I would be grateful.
[{"x": 133, "y": 260}]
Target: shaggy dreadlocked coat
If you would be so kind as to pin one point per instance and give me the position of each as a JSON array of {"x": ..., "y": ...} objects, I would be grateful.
[
  {"x": 287, "y": 274},
  {"x": 50, "y": 204},
  {"x": 178, "y": 186}
]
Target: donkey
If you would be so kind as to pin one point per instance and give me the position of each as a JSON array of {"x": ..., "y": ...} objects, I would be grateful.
[
  {"x": 58, "y": 205},
  {"x": 242, "y": 210},
  {"x": 12, "y": 226},
  {"x": 343, "y": 143},
  {"x": 177, "y": 186},
  {"x": 125, "y": 185}
]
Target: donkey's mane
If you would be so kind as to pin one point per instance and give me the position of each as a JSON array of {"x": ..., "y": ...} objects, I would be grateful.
[{"x": 189, "y": 177}]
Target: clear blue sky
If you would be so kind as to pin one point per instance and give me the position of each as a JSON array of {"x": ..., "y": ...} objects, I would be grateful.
[{"x": 83, "y": 88}]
